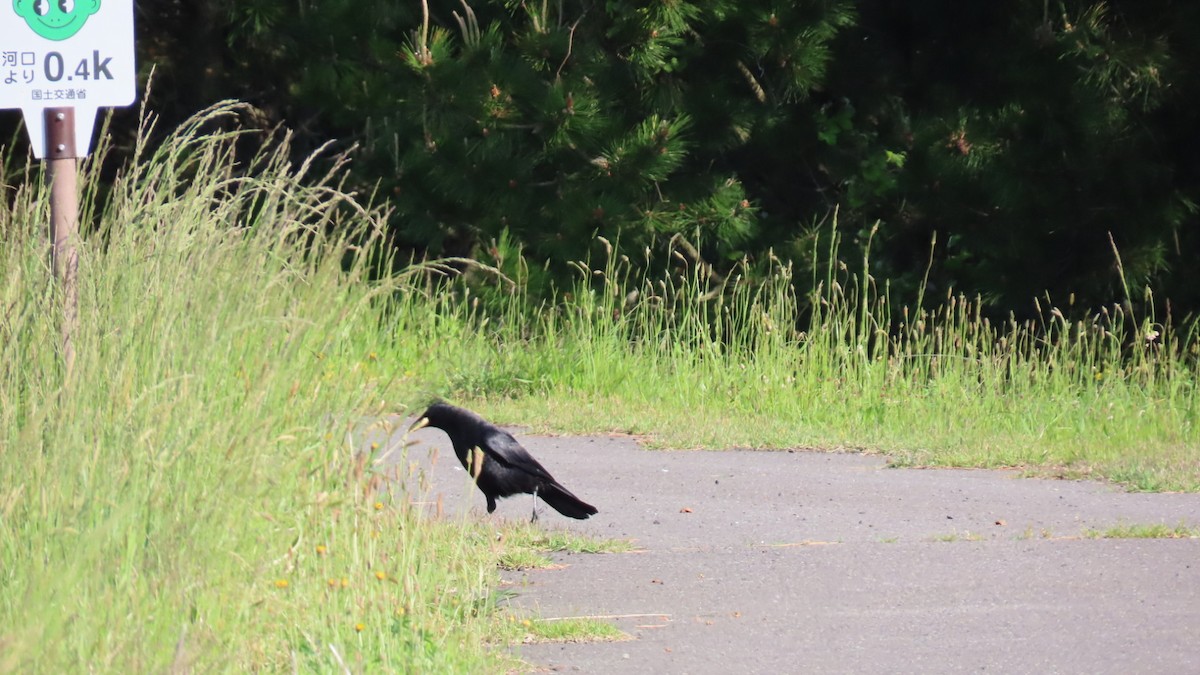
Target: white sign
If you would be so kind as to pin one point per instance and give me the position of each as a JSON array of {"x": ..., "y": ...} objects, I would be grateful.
[{"x": 66, "y": 53}]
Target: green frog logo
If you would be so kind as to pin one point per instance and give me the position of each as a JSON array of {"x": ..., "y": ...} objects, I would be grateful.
[{"x": 56, "y": 19}]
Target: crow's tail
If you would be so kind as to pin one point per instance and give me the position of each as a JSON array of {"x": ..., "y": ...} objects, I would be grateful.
[{"x": 564, "y": 502}]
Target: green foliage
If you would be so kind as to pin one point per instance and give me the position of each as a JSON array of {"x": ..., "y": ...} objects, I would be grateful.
[
  {"x": 556, "y": 123},
  {"x": 1016, "y": 136},
  {"x": 1031, "y": 131},
  {"x": 551, "y": 121}
]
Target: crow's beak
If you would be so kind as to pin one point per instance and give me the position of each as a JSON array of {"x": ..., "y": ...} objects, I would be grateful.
[{"x": 419, "y": 424}]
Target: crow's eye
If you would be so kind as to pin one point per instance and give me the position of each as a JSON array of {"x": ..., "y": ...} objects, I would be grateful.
[
  {"x": 67, "y": 6},
  {"x": 40, "y": 7}
]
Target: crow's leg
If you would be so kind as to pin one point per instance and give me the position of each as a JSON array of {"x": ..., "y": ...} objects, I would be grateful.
[{"x": 534, "y": 518}]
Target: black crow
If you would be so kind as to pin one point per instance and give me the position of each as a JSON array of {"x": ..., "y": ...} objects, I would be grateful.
[{"x": 498, "y": 463}]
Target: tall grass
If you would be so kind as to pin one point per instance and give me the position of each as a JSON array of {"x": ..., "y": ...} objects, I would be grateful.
[
  {"x": 692, "y": 359},
  {"x": 189, "y": 497}
]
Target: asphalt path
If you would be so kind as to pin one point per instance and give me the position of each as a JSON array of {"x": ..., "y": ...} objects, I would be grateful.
[{"x": 806, "y": 562}]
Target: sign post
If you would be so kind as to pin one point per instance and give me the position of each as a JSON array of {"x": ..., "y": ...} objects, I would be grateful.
[{"x": 60, "y": 62}]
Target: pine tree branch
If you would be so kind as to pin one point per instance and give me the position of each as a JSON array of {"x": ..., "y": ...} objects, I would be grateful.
[
  {"x": 759, "y": 93},
  {"x": 570, "y": 45}
]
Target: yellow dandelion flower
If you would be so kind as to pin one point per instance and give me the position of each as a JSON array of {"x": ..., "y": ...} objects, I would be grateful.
[
  {"x": 401, "y": 611},
  {"x": 527, "y": 623},
  {"x": 321, "y": 549},
  {"x": 360, "y": 627},
  {"x": 381, "y": 575},
  {"x": 345, "y": 582},
  {"x": 378, "y": 506},
  {"x": 374, "y": 446},
  {"x": 333, "y": 583},
  {"x": 281, "y": 583},
  {"x": 372, "y": 356}
]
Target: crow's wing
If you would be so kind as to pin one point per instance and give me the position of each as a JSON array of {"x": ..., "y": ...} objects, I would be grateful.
[{"x": 506, "y": 450}]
